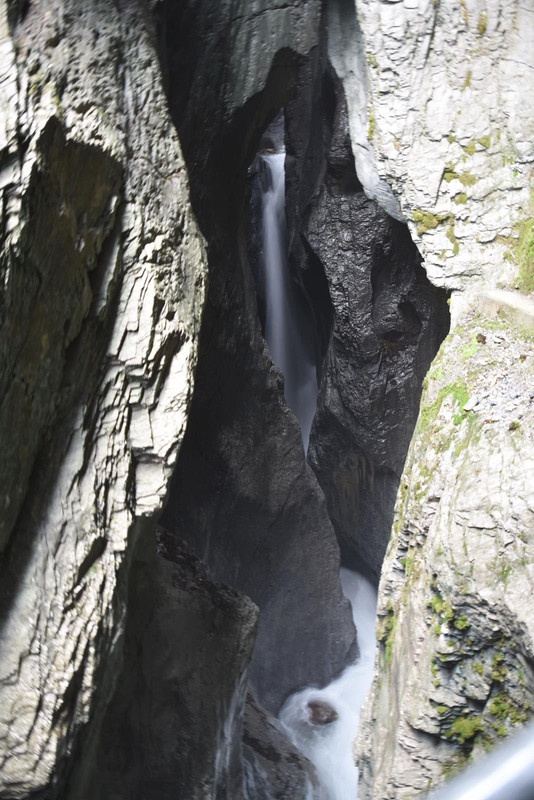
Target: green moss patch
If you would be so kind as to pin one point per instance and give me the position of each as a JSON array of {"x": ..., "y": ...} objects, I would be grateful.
[
  {"x": 371, "y": 124},
  {"x": 467, "y": 81},
  {"x": 466, "y": 178},
  {"x": 460, "y": 396},
  {"x": 427, "y": 221},
  {"x": 386, "y": 633},
  {"x": 523, "y": 250},
  {"x": 466, "y": 728},
  {"x": 482, "y": 23}
]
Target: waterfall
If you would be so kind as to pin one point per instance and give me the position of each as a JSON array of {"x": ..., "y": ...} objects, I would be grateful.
[
  {"x": 289, "y": 348},
  {"x": 322, "y": 723}
]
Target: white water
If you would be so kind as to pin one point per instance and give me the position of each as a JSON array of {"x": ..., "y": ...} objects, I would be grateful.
[
  {"x": 329, "y": 746},
  {"x": 289, "y": 349}
]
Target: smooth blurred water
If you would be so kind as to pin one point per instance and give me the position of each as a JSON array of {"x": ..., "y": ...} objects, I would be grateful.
[
  {"x": 289, "y": 349},
  {"x": 330, "y": 746}
]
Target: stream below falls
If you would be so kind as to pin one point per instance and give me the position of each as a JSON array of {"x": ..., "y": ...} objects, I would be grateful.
[{"x": 321, "y": 723}]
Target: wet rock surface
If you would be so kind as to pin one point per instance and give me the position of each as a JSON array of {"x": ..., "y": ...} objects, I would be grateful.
[
  {"x": 187, "y": 648},
  {"x": 321, "y": 713},
  {"x": 273, "y": 766},
  {"x": 378, "y": 324}
]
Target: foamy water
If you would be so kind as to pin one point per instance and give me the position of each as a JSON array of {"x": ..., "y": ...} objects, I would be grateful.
[{"x": 329, "y": 746}]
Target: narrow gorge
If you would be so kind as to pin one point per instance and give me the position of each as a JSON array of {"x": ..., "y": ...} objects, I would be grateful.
[{"x": 267, "y": 351}]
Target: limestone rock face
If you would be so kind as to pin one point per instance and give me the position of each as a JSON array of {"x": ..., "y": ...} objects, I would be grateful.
[
  {"x": 450, "y": 119},
  {"x": 455, "y": 662},
  {"x": 449, "y": 94},
  {"x": 103, "y": 273}
]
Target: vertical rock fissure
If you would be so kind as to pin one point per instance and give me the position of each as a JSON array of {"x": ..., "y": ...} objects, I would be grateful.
[{"x": 242, "y": 495}]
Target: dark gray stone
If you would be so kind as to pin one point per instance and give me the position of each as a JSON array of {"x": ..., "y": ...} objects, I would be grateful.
[
  {"x": 379, "y": 321},
  {"x": 321, "y": 713},
  {"x": 274, "y": 768},
  {"x": 242, "y": 494},
  {"x": 173, "y": 727}
]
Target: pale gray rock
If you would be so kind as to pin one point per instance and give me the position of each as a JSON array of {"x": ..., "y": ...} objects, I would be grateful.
[
  {"x": 449, "y": 93},
  {"x": 455, "y": 659},
  {"x": 346, "y": 51},
  {"x": 103, "y": 274},
  {"x": 451, "y": 110}
]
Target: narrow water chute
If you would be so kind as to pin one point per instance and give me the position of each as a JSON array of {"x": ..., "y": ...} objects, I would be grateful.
[
  {"x": 326, "y": 737},
  {"x": 286, "y": 339}
]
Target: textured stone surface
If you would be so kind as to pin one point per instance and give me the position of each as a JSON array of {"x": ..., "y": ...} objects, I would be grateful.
[
  {"x": 192, "y": 641},
  {"x": 451, "y": 110},
  {"x": 376, "y": 319},
  {"x": 448, "y": 88},
  {"x": 102, "y": 288},
  {"x": 388, "y": 322},
  {"x": 273, "y": 766},
  {"x": 455, "y": 663}
]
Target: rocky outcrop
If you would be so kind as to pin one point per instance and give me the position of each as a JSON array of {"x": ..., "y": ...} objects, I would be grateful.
[
  {"x": 102, "y": 288},
  {"x": 388, "y": 324},
  {"x": 273, "y": 766},
  {"x": 377, "y": 320},
  {"x": 454, "y": 672},
  {"x": 174, "y": 725},
  {"x": 455, "y": 666},
  {"x": 453, "y": 136}
]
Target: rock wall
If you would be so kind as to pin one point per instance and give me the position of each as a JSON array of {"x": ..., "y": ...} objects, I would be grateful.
[
  {"x": 455, "y": 661},
  {"x": 103, "y": 275},
  {"x": 388, "y": 322},
  {"x": 453, "y": 137},
  {"x": 450, "y": 110},
  {"x": 124, "y": 659}
]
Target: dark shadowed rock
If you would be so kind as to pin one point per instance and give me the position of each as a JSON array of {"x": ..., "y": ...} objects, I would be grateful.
[
  {"x": 243, "y": 496},
  {"x": 173, "y": 728},
  {"x": 273, "y": 766},
  {"x": 380, "y": 321}
]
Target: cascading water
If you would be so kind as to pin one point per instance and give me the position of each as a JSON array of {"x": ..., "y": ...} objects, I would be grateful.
[
  {"x": 322, "y": 723},
  {"x": 288, "y": 346}
]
